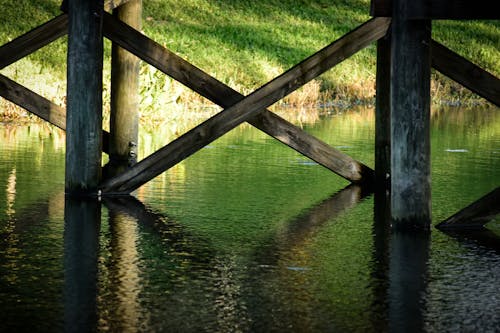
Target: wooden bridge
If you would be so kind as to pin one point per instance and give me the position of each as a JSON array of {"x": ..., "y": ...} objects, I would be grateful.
[{"x": 405, "y": 55}]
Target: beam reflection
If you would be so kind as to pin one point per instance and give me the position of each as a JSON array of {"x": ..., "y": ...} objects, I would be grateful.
[{"x": 81, "y": 248}]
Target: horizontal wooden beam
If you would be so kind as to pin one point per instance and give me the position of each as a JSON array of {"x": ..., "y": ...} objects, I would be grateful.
[
  {"x": 245, "y": 109},
  {"x": 441, "y": 9},
  {"x": 38, "y": 105},
  {"x": 476, "y": 215},
  {"x": 108, "y": 4},
  {"x": 465, "y": 72},
  {"x": 33, "y": 40},
  {"x": 219, "y": 93}
]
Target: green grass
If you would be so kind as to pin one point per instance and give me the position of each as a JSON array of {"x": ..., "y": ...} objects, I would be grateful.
[{"x": 245, "y": 44}]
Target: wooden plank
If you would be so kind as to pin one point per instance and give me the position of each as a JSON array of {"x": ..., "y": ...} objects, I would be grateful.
[
  {"x": 383, "y": 115},
  {"x": 465, "y": 72},
  {"x": 38, "y": 105},
  {"x": 219, "y": 93},
  {"x": 475, "y": 215},
  {"x": 33, "y": 40},
  {"x": 441, "y": 9},
  {"x": 32, "y": 102},
  {"x": 125, "y": 98},
  {"x": 410, "y": 121},
  {"x": 109, "y": 5},
  {"x": 84, "y": 98},
  {"x": 247, "y": 108}
]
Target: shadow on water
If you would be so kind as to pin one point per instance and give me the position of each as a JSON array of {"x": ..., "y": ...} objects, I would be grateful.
[
  {"x": 400, "y": 273},
  {"x": 481, "y": 240},
  {"x": 81, "y": 250}
]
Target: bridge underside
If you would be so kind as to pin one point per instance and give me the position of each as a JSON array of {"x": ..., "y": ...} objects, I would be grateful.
[{"x": 239, "y": 108}]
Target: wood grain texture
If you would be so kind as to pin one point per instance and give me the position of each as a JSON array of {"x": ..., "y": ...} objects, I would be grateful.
[
  {"x": 84, "y": 98},
  {"x": 410, "y": 121},
  {"x": 125, "y": 96},
  {"x": 465, "y": 72},
  {"x": 242, "y": 110}
]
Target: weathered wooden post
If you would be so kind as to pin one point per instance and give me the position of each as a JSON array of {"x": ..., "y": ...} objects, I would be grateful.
[
  {"x": 124, "y": 119},
  {"x": 410, "y": 118},
  {"x": 84, "y": 97},
  {"x": 383, "y": 115}
]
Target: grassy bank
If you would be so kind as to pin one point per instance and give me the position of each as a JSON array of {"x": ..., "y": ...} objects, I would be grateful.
[{"x": 244, "y": 44}]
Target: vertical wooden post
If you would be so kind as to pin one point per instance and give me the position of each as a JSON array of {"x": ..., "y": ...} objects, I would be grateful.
[
  {"x": 84, "y": 97},
  {"x": 124, "y": 120},
  {"x": 410, "y": 119},
  {"x": 383, "y": 115}
]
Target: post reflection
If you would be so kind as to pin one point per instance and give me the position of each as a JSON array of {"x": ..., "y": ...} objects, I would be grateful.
[
  {"x": 408, "y": 275},
  {"x": 81, "y": 248},
  {"x": 400, "y": 272},
  {"x": 122, "y": 308}
]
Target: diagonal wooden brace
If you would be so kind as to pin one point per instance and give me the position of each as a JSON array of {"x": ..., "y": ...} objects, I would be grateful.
[
  {"x": 465, "y": 72},
  {"x": 33, "y": 40},
  {"x": 38, "y": 105},
  {"x": 243, "y": 110}
]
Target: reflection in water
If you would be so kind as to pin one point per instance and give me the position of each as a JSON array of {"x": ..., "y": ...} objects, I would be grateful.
[
  {"x": 123, "y": 273},
  {"x": 81, "y": 249},
  {"x": 409, "y": 254},
  {"x": 286, "y": 263},
  {"x": 234, "y": 247},
  {"x": 11, "y": 193}
]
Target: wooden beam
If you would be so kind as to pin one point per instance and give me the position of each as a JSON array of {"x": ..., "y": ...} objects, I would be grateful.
[
  {"x": 465, "y": 72},
  {"x": 247, "y": 108},
  {"x": 109, "y": 5},
  {"x": 38, "y": 105},
  {"x": 125, "y": 96},
  {"x": 33, "y": 40},
  {"x": 410, "y": 121},
  {"x": 84, "y": 98},
  {"x": 383, "y": 115},
  {"x": 113, "y": 4},
  {"x": 32, "y": 102},
  {"x": 476, "y": 215},
  {"x": 219, "y": 93},
  {"x": 441, "y": 9}
]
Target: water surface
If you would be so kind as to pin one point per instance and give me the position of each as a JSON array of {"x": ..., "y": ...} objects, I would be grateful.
[{"x": 247, "y": 235}]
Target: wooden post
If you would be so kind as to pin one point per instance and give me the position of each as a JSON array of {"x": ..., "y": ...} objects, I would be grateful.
[
  {"x": 124, "y": 119},
  {"x": 84, "y": 97},
  {"x": 410, "y": 120},
  {"x": 383, "y": 115}
]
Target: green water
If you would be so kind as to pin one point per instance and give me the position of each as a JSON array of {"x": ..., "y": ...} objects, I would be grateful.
[{"x": 247, "y": 235}]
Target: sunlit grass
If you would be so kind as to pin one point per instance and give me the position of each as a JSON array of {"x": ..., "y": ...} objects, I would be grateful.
[{"x": 245, "y": 44}]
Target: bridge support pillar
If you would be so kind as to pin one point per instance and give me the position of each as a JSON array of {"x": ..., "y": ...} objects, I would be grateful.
[
  {"x": 124, "y": 118},
  {"x": 84, "y": 97},
  {"x": 410, "y": 120}
]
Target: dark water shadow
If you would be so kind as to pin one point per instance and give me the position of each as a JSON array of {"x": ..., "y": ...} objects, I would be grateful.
[
  {"x": 82, "y": 220},
  {"x": 399, "y": 272},
  {"x": 279, "y": 295},
  {"x": 303, "y": 227},
  {"x": 171, "y": 233},
  {"x": 481, "y": 239}
]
